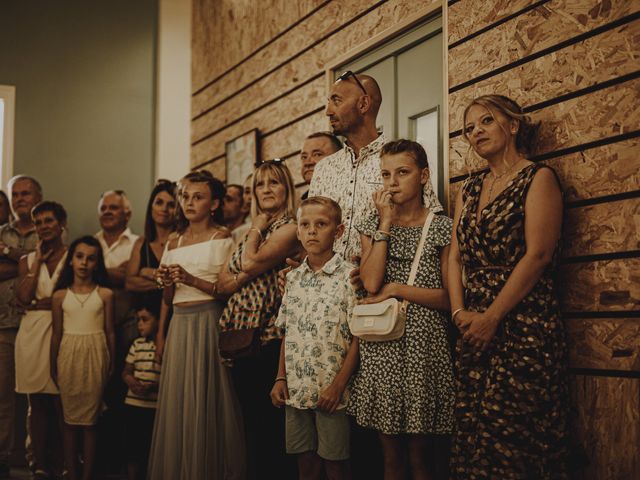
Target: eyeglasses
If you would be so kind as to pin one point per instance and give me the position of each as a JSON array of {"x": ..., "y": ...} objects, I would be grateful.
[{"x": 348, "y": 74}]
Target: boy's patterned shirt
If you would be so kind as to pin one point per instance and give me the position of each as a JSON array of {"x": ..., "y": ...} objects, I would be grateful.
[{"x": 315, "y": 314}]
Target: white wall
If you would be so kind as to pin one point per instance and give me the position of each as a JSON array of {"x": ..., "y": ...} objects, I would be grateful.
[{"x": 173, "y": 97}]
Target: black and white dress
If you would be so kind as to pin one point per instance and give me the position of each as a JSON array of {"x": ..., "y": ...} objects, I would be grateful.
[{"x": 407, "y": 385}]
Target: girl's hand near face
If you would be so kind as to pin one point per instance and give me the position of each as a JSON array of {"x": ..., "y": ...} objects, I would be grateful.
[{"x": 384, "y": 204}]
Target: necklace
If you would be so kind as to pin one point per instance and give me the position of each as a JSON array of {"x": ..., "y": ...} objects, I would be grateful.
[
  {"x": 498, "y": 177},
  {"x": 81, "y": 302}
]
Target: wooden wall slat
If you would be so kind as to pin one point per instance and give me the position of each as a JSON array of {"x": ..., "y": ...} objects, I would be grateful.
[
  {"x": 529, "y": 33},
  {"x": 606, "y": 423},
  {"x": 470, "y": 16},
  {"x": 603, "y": 228},
  {"x": 609, "y": 55},
  {"x": 596, "y": 172},
  {"x": 604, "y": 343},
  {"x": 601, "y": 114},
  {"x": 607, "y": 285},
  {"x": 312, "y": 62},
  {"x": 242, "y": 27},
  {"x": 294, "y": 105},
  {"x": 271, "y": 117},
  {"x": 291, "y": 43},
  {"x": 289, "y": 139},
  {"x": 217, "y": 169}
]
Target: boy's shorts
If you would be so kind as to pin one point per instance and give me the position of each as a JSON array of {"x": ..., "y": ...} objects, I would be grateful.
[{"x": 318, "y": 431}]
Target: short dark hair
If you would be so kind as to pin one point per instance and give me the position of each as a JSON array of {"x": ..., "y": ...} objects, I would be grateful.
[
  {"x": 332, "y": 205},
  {"x": 240, "y": 188},
  {"x": 413, "y": 149},
  {"x": 152, "y": 307},
  {"x": 48, "y": 206},
  {"x": 335, "y": 141}
]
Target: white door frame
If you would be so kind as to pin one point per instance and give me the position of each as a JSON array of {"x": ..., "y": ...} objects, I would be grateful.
[{"x": 8, "y": 94}]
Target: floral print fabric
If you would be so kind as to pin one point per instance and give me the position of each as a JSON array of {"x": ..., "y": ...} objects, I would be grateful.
[{"x": 315, "y": 313}]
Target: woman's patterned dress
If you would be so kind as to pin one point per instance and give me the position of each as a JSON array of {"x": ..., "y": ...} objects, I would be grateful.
[{"x": 512, "y": 399}]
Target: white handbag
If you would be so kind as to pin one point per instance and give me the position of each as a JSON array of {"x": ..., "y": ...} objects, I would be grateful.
[{"x": 382, "y": 321}]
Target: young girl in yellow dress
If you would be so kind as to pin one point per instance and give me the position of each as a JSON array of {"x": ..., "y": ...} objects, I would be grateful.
[{"x": 82, "y": 348}]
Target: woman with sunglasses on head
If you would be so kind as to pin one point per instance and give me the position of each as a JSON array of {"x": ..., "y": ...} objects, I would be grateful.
[
  {"x": 512, "y": 395},
  {"x": 159, "y": 224},
  {"x": 250, "y": 277}
]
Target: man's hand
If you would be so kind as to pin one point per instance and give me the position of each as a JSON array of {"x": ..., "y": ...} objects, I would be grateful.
[
  {"x": 282, "y": 274},
  {"x": 279, "y": 394}
]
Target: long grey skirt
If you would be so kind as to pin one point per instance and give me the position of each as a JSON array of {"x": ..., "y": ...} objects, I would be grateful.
[{"x": 198, "y": 431}]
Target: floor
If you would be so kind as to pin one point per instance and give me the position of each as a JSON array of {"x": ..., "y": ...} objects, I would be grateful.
[{"x": 25, "y": 474}]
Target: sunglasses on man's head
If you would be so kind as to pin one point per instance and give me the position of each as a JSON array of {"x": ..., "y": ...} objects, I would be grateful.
[{"x": 348, "y": 74}]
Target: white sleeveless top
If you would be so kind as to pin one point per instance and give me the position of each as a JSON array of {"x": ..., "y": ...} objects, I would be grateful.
[
  {"x": 83, "y": 313},
  {"x": 202, "y": 260}
]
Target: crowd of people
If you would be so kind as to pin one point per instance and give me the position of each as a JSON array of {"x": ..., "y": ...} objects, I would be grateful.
[{"x": 219, "y": 344}]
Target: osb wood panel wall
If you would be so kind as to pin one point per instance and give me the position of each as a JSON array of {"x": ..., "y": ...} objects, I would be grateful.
[
  {"x": 574, "y": 66},
  {"x": 261, "y": 65}
]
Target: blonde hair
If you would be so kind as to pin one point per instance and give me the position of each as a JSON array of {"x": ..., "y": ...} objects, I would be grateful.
[
  {"x": 527, "y": 130},
  {"x": 329, "y": 204},
  {"x": 282, "y": 174}
]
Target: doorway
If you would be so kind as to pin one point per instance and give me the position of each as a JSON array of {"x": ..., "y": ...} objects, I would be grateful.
[{"x": 409, "y": 70}]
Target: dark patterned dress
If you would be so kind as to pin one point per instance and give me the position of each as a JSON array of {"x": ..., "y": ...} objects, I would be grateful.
[
  {"x": 512, "y": 399},
  {"x": 407, "y": 385}
]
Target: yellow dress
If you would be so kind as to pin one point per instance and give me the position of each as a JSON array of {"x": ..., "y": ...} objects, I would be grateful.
[{"x": 83, "y": 358}]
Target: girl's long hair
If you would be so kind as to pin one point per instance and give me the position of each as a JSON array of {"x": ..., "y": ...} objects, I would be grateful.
[{"x": 99, "y": 276}]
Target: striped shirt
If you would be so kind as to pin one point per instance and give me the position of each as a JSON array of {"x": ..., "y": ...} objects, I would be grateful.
[{"x": 142, "y": 355}]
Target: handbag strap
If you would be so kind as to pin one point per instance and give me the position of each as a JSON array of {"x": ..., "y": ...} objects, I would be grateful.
[{"x": 416, "y": 258}]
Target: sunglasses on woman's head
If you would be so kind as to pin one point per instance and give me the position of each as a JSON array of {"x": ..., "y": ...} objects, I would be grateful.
[{"x": 273, "y": 161}]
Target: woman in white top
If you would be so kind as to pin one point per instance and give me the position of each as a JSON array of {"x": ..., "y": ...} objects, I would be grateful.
[
  {"x": 38, "y": 273},
  {"x": 198, "y": 430}
]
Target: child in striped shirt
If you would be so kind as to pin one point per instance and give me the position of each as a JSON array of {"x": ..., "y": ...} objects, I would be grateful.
[{"x": 142, "y": 374}]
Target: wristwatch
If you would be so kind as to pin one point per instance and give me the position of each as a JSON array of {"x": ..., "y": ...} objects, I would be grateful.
[{"x": 380, "y": 236}]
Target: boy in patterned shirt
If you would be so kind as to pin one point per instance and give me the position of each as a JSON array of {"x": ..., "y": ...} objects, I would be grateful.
[
  {"x": 318, "y": 353},
  {"x": 142, "y": 374}
]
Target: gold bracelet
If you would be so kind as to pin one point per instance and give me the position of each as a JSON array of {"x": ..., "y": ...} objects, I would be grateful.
[
  {"x": 31, "y": 275},
  {"x": 280, "y": 379},
  {"x": 214, "y": 289}
]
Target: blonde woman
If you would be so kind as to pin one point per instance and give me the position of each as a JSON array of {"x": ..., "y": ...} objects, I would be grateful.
[{"x": 511, "y": 405}]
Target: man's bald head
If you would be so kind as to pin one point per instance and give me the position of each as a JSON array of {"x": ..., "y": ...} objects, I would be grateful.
[
  {"x": 349, "y": 109},
  {"x": 373, "y": 90}
]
